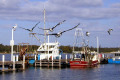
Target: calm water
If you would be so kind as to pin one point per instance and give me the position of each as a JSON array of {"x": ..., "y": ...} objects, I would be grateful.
[{"x": 102, "y": 72}]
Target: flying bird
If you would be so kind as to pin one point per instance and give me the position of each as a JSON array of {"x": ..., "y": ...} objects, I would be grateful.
[
  {"x": 60, "y": 33},
  {"x": 31, "y": 30},
  {"x": 87, "y": 33},
  {"x": 109, "y": 31},
  {"x": 51, "y": 29}
]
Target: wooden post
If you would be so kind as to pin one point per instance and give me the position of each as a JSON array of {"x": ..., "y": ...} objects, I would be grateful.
[
  {"x": 23, "y": 61},
  {"x": 3, "y": 60},
  {"x": 13, "y": 62},
  {"x": 52, "y": 60},
  {"x": 35, "y": 57},
  {"x": 66, "y": 58},
  {"x": 59, "y": 60},
  {"x": 35, "y": 60},
  {"x": 40, "y": 61},
  {"x": 16, "y": 57}
]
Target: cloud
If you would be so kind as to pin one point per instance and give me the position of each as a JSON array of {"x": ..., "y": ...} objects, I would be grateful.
[
  {"x": 116, "y": 5},
  {"x": 56, "y": 9}
]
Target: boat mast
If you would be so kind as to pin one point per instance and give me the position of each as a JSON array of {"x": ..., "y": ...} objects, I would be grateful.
[
  {"x": 97, "y": 44},
  {"x": 46, "y": 32},
  {"x": 44, "y": 28}
]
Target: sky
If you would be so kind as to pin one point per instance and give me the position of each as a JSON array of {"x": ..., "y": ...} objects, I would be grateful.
[{"x": 94, "y": 16}]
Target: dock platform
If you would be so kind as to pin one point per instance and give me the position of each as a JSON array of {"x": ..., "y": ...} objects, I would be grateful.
[{"x": 51, "y": 63}]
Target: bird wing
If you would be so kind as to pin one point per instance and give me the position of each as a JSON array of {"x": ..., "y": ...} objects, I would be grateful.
[
  {"x": 86, "y": 33},
  {"x": 35, "y": 25},
  {"x": 40, "y": 34},
  {"x": 42, "y": 28},
  {"x": 58, "y": 24},
  {"x": 109, "y": 32},
  {"x": 25, "y": 28},
  {"x": 53, "y": 34},
  {"x": 70, "y": 29}
]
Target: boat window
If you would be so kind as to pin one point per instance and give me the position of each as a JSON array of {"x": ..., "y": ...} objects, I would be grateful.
[{"x": 117, "y": 54}]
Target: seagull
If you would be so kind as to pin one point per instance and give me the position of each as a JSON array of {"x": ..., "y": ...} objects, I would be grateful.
[
  {"x": 109, "y": 31},
  {"x": 51, "y": 29},
  {"x": 14, "y": 27},
  {"x": 60, "y": 33},
  {"x": 87, "y": 33},
  {"x": 31, "y": 30}
]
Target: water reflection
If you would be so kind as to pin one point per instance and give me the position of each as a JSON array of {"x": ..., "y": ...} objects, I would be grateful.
[{"x": 102, "y": 72}]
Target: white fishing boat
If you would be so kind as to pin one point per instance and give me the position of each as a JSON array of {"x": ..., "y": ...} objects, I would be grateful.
[{"x": 47, "y": 50}]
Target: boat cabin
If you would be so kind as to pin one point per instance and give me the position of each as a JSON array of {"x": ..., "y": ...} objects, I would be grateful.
[{"x": 47, "y": 50}]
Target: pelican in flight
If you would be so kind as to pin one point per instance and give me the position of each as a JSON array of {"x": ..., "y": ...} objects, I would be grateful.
[
  {"x": 87, "y": 33},
  {"x": 31, "y": 30},
  {"x": 109, "y": 31},
  {"x": 60, "y": 33},
  {"x": 51, "y": 29}
]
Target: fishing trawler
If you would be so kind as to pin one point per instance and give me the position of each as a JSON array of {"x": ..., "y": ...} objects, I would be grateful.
[
  {"x": 48, "y": 49},
  {"x": 85, "y": 58}
]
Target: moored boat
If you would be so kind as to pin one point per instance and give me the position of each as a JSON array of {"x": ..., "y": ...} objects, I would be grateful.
[
  {"x": 115, "y": 59},
  {"x": 85, "y": 61},
  {"x": 86, "y": 58}
]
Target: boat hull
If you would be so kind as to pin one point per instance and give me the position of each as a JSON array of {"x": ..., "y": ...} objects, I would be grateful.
[
  {"x": 83, "y": 64},
  {"x": 114, "y": 61}
]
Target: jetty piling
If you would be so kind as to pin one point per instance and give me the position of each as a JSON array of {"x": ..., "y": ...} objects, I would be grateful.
[
  {"x": 16, "y": 57},
  {"x": 52, "y": 61},
  {"x": 11, "y": 65},
  {"x": 13, "y": 62},
  {"x": 59, "y": 60},
  {"x": 3, "y": 60},
  {"x": 23, "y": 62},
  {"x": 35, "y": 57},
  {"x": 66, "y": 58}
]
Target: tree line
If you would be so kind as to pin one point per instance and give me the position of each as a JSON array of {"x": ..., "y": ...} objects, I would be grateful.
[{"x": 65, "y": 49}]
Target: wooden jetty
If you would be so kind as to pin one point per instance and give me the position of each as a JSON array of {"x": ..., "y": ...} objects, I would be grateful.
[
  {"x": 52, "y": 63},
  {"x": 7, "y": 66}
]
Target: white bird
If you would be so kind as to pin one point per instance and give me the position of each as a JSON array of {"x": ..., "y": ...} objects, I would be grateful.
[
  {"x": 87, "y": 33},
  {"x": 109, "y": 31},
  {"x": 14, "y": 27}
]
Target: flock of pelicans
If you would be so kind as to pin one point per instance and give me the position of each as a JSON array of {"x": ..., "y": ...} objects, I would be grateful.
[{"x": 59, "y": 33}]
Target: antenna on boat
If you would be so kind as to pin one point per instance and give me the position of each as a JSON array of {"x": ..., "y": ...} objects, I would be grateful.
[{"x": 78, "y": 36}]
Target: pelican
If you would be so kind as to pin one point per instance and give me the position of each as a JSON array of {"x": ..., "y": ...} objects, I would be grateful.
[
  {"x": 87, "y": 33},
  {"x": 60, "y": 33},
  {"x": 51, "y": 29},
  {"x": 31, "y": 30},
  {"x": 109, "y": 31}
]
